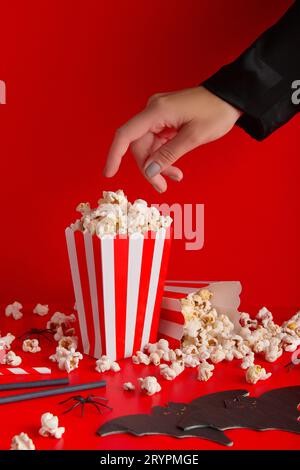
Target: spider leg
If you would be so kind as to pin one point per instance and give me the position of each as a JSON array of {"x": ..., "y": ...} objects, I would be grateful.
[
  {"x": 97, "y": 407},
  {"x": 72, "y": 407},
  {"x": 100, "y": 398},
  {"x": 101, "y": 404},
  {"x": 65, "y": 401}
]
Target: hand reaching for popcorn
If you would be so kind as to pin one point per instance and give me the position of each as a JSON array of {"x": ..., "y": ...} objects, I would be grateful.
[{"x": 171, "y": 125}]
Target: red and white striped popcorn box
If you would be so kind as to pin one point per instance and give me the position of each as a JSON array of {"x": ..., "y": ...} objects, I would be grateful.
[
  {"x": 226, "y": 299},
  {"x": 118, "y": 284}
]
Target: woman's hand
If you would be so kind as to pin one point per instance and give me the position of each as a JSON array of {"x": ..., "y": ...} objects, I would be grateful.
[{"x": 171, "y": 125}]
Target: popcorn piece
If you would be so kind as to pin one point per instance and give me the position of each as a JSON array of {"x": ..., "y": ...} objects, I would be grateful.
[
  {"x": 256, "y": 373},
  {"x": 103, "y": 364},
  {"x": 115, "y": 367},
  {"x": 217, "y": 354},
  {"x": 172, "y": 371},
  {"x": 22, "y": 442},
  {"x": 67, "y": 360},
  {"x": 41, "y": 310},
  {"x": 149, "y": 385},
  {"x": 68, "y": 342},
  {"x": 190, "y": 361},
  {"x": 7, "y": 340},
  {"x": 50, "y": 426},
  {"x": 141, "y": 358},
  {"x": 128, "y": 386},
  {"x": 154, "y": 358},
  {"x": 248, "y": 360},
  {"x": 31, "y": 345},
  {"x": 11, "y": 359},
  {"x": 14, "y": 310},
  {"x": 246, "y": 321},
  {"x": 205, "y": 371},
  {"x": 115, "y": 214}
]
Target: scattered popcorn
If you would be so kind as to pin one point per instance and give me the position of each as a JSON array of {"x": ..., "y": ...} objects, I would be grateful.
[
  {"x": 115, "y": 367},
  {"x": 149, "y": 385},
  {"x": 205, "y": 371},
  {"x": 7, "y": 340},
  {"x": 154, "y": 358},
  {"x": 115, "y": 214},
  {"x": 14, "y": 310},
  {"x": 67, "y": 360},
  {"x": 31, "y": 345},
  {"x": 41, "y": 310},
  {"x": 50, "y": 426},
  {"x": 68, "y": 342},
  {"x": 141, "y": 358},
  {"x": 248, "y": 360},
  {"x": 128, "y": 386},
  {"x": 11, "y": 359},
  {"x": 22, "y": 442},
  {"x": 190, "y": 360},
  {"x": 103, "y": 364},
  {"x": 172, "y": 371},
  {"x": 256, "y": 373}
]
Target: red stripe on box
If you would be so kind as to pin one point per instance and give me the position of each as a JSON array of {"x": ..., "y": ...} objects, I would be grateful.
[
  {"x": 79, "y": 240},
  {"x": 121, "y": 246},
  {"x": 147, "y": 259},
  {"x": 98, "y": 270},
  {"x": 172, "y": 316},
  {"x": 160, "y": 286}
]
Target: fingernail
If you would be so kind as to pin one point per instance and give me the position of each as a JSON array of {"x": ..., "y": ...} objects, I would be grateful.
[
  {"x": 175, "y": 178},
  {"x": 152, "y": 170},
  {"x": 157, "y": 188}
]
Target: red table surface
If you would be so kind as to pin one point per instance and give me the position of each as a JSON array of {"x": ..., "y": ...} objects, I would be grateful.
[{"x": 81, "y": 431}]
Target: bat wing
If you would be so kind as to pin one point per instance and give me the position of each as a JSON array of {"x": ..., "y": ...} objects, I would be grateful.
[{"x": 163, "y": 422}]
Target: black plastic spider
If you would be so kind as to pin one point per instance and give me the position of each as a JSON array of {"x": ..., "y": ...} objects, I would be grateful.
[
  {"x": 80, "y": 400},
  {"x": 38, "y": 332}
]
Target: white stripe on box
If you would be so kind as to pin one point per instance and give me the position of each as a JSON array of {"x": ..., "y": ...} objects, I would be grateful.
[
  {"x": 108, "y": 280},
  {"x": 90, "y": 262},
  {"x": 183, "y": 290},
  {"x": 42, "y": 370},
  {"x": 171, "y": 304},
  {"x": 168, "y": 328},
  {"x": 77, "y": 289},
  {"x": 25, "y": 370},
  {"x": 136, "y": 243},
  {"x": 154, "y": 277}
]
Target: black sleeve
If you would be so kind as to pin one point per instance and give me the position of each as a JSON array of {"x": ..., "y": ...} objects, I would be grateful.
[{"x": 260, "y": 81}]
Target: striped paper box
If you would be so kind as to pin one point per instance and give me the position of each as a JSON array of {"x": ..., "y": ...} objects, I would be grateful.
[
  {"x": 226, "y": 299},
  {"x": 118, "y": 284}
]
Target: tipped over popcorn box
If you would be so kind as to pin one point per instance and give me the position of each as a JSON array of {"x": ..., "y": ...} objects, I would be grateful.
[
  {"x": 118, "y": 256},
  {"x": 223, "y": 296}
]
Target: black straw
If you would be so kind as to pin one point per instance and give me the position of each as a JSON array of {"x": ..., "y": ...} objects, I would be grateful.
[
  {"x": 52, "y": 392},
  {"x": 36, "y": 383}
]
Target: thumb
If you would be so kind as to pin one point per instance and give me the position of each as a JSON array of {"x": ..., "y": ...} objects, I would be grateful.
[{"x": 184, "y": 141}]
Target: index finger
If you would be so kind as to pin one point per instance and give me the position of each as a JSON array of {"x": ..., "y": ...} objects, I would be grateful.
[{"x": 135, "y": 128}]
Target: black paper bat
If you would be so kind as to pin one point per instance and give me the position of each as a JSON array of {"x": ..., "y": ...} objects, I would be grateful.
[
  {"x": 163, "y": 421},
  {"x": 275, "y": 409}
]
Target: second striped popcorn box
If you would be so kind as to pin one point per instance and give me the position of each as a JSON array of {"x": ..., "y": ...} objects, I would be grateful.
[
  {"x": 225, "y": 298},
  {"x": 118, "y": 284}
]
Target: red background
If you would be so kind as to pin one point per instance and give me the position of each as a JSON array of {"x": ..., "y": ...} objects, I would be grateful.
[{"x": 75, "y": 71}]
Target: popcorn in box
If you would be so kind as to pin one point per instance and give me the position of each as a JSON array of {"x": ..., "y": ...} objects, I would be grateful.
[
  {"x": 226, "y": 300},
  {"x": 118, "y": 269}
]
